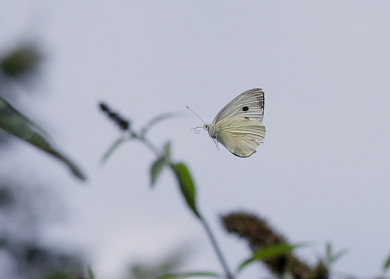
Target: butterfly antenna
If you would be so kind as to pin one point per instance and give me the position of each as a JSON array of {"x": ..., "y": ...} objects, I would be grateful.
[
  {"x": 197, "y": 129},
  {"x": 196, "y": 114}
]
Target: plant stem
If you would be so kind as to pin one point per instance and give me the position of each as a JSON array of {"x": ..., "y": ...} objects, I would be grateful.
[
  {"x": 217, "y": 250},
  {"x": 203, "y": 221},
  {"x": 146, "y": 142}
]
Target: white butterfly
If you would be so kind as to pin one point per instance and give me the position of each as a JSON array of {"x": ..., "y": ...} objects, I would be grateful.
[{"x": 238, "y": 126}]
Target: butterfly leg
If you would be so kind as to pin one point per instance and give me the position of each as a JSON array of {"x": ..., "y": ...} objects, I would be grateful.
[{"x": 216, "y": 142}]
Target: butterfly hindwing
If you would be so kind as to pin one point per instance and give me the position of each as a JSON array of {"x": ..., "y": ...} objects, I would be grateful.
[
  {"x": 249, "y": 104},
  {"x": 240, "y": 136}
]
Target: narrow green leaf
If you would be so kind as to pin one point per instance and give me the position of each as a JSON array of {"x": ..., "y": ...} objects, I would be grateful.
[
  {"x": 267, "y": 253},
  {"x": 158, "y": 119},
  {"x": 386, "y": 266},
  {"x": 328, "y": 252},
  {"x": 156, "y": 170},
  {"x": 330, "y": 256},
  {"x": 91, "y": 275},
  {"x": 337, "y": 256},
  {"x": 20, "y": 126},
  {"x": 167, "y": 150},
  {"x": 187, "y": 186},
  {"x": 190, "y": 274},
  {"x": 113, "y": 147}
]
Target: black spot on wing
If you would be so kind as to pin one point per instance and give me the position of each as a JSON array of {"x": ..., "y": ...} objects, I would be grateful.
[
  {"x": 261, "y": 102},
  {"x": 245, "y": 108},
  {"x": 247, "y": 118}
]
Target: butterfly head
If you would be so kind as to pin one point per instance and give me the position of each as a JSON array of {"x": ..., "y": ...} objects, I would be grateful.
[{"x": 210, "y": 128}]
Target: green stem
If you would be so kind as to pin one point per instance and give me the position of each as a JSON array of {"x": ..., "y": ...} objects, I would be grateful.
[
  {"x": 217, "y": 250},
  {"x": 147, "y": 143}
]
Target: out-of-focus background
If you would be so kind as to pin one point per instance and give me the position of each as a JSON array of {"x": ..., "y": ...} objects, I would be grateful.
[{"x": 322, "y": 174}]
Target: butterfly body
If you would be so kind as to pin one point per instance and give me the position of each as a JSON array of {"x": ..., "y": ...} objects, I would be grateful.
[{"x": 238, "y": 126}]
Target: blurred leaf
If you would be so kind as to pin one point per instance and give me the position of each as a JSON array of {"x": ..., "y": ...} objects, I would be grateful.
[
  {"x": 167, "y": 150},
  {"x": 187, "y": 186},
  {"x": 10, "y": 116},
  {"x": 60, "y": 275},
  {"x": 332, "y": 257},
  {"x": 156, "y": 169},
  {"x": 335, "y": 257},
  {"x": 386, "y": 266},
  {"x": 21, "y": 61},
  {"x": 190, "y": 274},
  {"x": 158, "y": 119},
  {"x": 113, "y": 147},
  {"x": 328, "y": 251},
  {"x": 267, "y": 253},
  {"x": 91, "y": 275},
  {"x": 18, "y": 125},
  {"x": 167, "y": 264}
]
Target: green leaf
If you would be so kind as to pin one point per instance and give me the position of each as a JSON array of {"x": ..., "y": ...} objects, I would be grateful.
[
  {"x": 20, "y": 126},
  {"x": 328, "y": 251},
  {"x": 267, "y": 253},
  {"x": 22, "y": 61},
  {"x": 167, "y": 150},
  {"x": 187, "y": 186},
  {"x": 332, "y": 257},
  {"x": 335, "y": 257},
  {"x": 386, "y": 266},
  {"x": 113, "y": 147},
  {"x": 158, "y": 119},
  {"x": 190, "y": 274},
  {"x": 156, "y": 170},
  {"x": 91, "y": 275}
]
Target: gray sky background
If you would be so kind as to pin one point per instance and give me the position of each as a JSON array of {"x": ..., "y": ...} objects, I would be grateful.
[{"x": 321, "y": 175}]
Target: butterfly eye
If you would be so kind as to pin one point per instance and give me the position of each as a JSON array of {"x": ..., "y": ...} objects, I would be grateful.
[{"x": 245, "y": 108}]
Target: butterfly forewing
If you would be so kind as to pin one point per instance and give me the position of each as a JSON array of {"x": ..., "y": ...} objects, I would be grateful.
[{"x": 249, "y": 105}]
